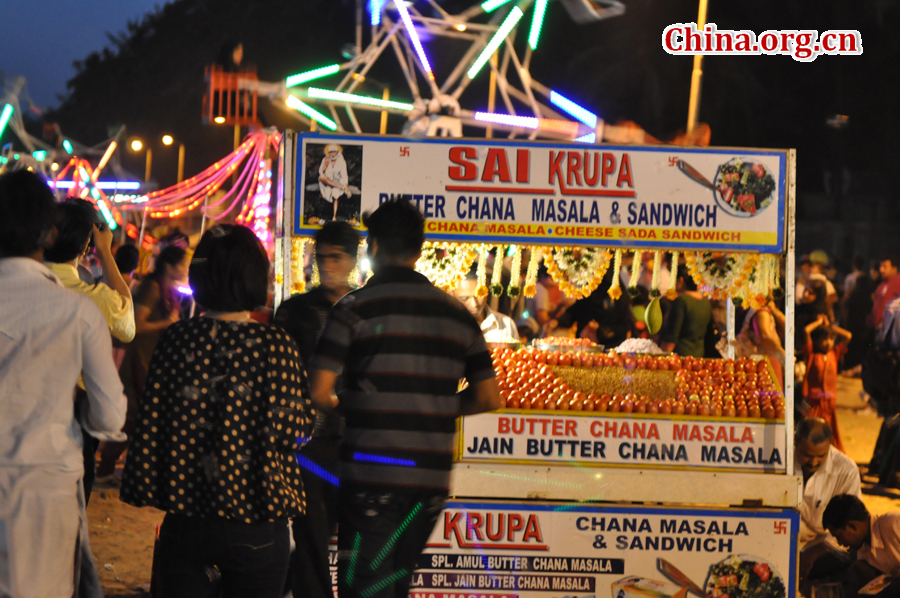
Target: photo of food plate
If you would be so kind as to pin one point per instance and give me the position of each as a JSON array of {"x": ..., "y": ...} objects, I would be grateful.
[
  {"x": 744, "y": 576},
  {"x": 744, "y": 188}
]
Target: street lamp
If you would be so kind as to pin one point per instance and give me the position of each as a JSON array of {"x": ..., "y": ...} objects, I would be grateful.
[
  {"x": 169, "y": 140},
  {"x": 136, "y": 146}
]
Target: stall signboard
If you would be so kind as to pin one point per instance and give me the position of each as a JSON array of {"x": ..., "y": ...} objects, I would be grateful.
[
  {"x": 682, "y": 442},
  {"x": 485, "y": 190},
  {"x": 526, "y": 549}
]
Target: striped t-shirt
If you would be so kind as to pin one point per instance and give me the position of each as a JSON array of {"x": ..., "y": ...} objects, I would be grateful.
[{"x": 402, "y": 346}]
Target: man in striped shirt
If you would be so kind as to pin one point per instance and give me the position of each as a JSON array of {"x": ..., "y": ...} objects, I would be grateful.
[{"x": 402, "y": 346}]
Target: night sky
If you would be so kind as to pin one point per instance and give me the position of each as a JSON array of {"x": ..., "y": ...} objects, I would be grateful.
[{"x": 41, "y": 38}]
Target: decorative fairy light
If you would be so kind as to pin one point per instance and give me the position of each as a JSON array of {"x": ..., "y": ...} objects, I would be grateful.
[
  {"x": 532, "y": 272},
  {"x": 580, "y": 113},
  {"x": 657, "y": 271},
  {"x": 615, "y": 288},
  {"x": 537, "y": 22},
  {"x": 339, "y": 96},
  {"x": 515, "y": 273},
  {"x": 482, "y": 290},
  {"x": 294, "y": 80},
  {"x": 260, "y": 211},
  {"x": 445, "y": 264},
  {"x": 672, "y": 292},
  {"x": 635, "y": 271},
  {"x": 300, "y": 106},
  {"x": 298, "y": 277}
]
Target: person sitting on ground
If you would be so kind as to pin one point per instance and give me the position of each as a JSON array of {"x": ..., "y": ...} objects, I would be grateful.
[
  {"x": 496, "y": 327},
  {"x": 875, "y": 539},
  {"x": 820, "y": 384},
  {"x": 826, "y": 471}
]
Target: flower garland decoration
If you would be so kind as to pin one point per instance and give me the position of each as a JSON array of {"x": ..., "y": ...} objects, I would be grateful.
[
  {"x": 722, "y": 276},
  {"x": 445, "y": 264},
  {"x": 578, "y": 271},
  {"x": 497, "y": 273},
  {"x": 635, "y": 271},
  {"x": 657, "y": 271},
  {"x": 481, "y": 290},
  {"x": 531, "y": 275},
  {"x": 672, "y": 292},
  {"x": 298, "y": 278},
  {"x": 515, "y": 273},
  {"x": 615, "y": 289}
]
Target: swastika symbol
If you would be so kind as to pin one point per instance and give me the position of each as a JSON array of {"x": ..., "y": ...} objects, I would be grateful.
[
  {"x": 673, "y": 161},
  {"x": 404, "y": 151},
  {"x": 781, "y": 527}
]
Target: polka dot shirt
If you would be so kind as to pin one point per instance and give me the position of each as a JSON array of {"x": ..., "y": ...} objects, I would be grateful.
[{"x": 224, "y": 410}]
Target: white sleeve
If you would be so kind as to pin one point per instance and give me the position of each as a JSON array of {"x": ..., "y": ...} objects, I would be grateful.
[{"x": 103, "y": 414}]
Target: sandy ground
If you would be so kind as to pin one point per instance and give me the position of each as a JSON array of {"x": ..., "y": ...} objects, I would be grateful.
[{"x": 122, "y": 536}]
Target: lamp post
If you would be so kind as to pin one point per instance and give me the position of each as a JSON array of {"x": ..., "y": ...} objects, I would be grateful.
[
  {"x": 696, "y": 73},
  {"x": 136, "y": 146},
  {"x": 169, "y": 140}
]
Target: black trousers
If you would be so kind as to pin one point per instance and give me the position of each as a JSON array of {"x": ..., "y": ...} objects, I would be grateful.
[
  {"x": 310, "y": 564},
  {"x": 380, "y": 538},
  {"x": 196, "y": 555}
]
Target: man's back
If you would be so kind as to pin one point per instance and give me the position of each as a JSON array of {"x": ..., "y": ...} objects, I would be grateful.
[
  {"x": 43, "y": 332},
  {"x": 403, "y": 346}
]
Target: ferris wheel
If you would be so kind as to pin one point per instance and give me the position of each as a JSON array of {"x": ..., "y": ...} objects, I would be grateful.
[{"x": 404, "y": 32}]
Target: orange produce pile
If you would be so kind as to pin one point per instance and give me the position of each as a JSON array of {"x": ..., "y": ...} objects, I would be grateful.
[{"x": 611, "y": 382}]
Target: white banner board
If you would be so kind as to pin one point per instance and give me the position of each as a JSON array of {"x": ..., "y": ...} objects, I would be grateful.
[{"x": 479, "y": 190}]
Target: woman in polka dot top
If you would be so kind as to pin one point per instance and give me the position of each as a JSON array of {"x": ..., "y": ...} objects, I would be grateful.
[{"x": 224, "y": 411}]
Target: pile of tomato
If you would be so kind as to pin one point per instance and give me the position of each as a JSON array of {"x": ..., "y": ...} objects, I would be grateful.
[{"x": 704, "y": 387}]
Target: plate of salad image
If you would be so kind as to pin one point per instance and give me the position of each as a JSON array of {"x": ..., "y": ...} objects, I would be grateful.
[
  {"x": 744, "y": 188},
  {"x": 744, "y": 576}
]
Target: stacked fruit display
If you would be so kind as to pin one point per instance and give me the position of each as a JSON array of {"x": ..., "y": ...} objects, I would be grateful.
[{"x": 645, "y": 384}]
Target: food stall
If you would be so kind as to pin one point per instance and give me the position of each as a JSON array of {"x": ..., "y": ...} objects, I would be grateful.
[{"x": 607, "y": 474}]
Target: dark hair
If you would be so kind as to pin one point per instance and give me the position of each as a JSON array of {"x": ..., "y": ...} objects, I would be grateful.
[
  {"x": 127, "y": 258},
  {"x": 339, "y": 234},
  {"x": 819, "y": 335},
  {"x": 683, "y": 274},
  {"x": 892, "y": 259},
  {"x": 230, "y": 270},
  {"x": 74, "y": 225},
  {"x": 398, "y": 227},
  {"x": 841, "y": 510},
  {"x": 171, "y": 256},
  {"x": 814, "y": 429},
  {"x": 27, "y": 213},
  {"x": 859, "y": 263}
]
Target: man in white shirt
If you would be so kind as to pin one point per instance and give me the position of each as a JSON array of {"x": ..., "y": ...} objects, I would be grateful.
[
  {"x": 48, "y": 337},
  {"x": 827, "y": 472},
  {"x": 496, "y": 327}
]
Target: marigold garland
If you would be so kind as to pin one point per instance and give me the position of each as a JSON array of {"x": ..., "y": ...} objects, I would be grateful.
[
  {"x": 738, "y": 276},
  {"x": 515, "y": 273},
  {"x": 537, "y": 254},
  {"x": 615, "y": 289},
  {"x": 635, "y": 270},
  {"x": 657, "y": 271},
  {"x": 672, "y": 292},
  {"x": 445, "y": 264},
  {"x": 314, "y": 279},
  {"x": 497, "y": 273},
  {"x": 298, "y": 278},
  {"x": 482, "y": 290},
  {"x": 578, "y": 272}
]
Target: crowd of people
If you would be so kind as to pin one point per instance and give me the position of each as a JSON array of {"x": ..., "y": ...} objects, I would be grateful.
[{"x": 340, "y": 412}]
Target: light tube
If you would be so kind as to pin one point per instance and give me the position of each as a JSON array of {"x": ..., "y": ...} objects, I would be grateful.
[
  {"x": 411, "y": 30},
  {"x": 311, "y": 112},
  {"x": 318, "y": 73},
  {"x": 511, "y": 20},
  {"x": 537, "y": 21},
  {"x": 581, "y": 114},
  {"x": 338, "y": 96}
]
